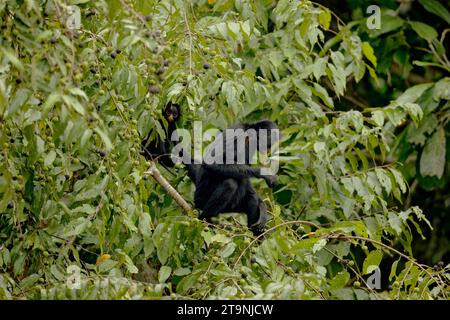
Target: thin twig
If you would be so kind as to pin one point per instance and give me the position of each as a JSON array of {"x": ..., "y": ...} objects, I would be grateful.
[{"x": 190, "y": 41}]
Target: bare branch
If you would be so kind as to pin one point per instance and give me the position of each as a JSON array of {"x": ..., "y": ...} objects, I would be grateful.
[{"x": 154, "y": 172}]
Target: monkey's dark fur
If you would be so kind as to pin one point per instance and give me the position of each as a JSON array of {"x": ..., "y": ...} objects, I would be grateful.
[
  {"x": 160, "y": 149},
  {"x": 222, "y": 188}
]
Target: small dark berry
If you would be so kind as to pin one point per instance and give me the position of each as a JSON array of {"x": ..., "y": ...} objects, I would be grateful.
[
  {"x": 113, "y": 55},
  {"x": 18, "y": 81},
  {"x": 11, "y": 140},
  {"x": 253, "y": 259},
  {"x": 93, "y": 70},
  {"x": 53, "y": 40},
  {"x": 102, "y": 153},
  {"x": 10, "y": 205},
  {"x": 206, "y": 66},
  {"x": 244, "y": 276},
  {"x": 118, "y": 51}
]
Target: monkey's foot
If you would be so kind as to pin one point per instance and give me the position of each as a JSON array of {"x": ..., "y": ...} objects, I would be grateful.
[{"x": 259, "y": 226}]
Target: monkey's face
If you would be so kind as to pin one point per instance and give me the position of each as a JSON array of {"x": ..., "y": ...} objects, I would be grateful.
[{"x": 172, "y": 113}]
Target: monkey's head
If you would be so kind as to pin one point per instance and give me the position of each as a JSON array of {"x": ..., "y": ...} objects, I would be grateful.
[
  {"x": 264, "y": 130},
  {"x": 172, "y": 112}
]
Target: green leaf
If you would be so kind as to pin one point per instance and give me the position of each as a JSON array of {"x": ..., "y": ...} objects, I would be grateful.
[
  {"x": 399, "y": 180},
  {"x": 49, "y": 158},
  {"x": 340, "y": 280},
  {"x": 105, "y": 139},
  {"x": 319, "y": 245},
  {"x": 395, "y": 222},
  {"x": 52, "y": 99},
  {"x": 437, "y": 8},
  {"x": 343, "y": 248},
  {"x": 131, "y": 268},
  {"x": 388, "y": 24},
  {"x": 74, "y": 103},
  {"x": 29, "y": 281},
  {"x": 322, "y": 93},
  {"x": 165, "y": 239},
  {"x": 220, "y": 238},
  {"x": 350, "y": 226},
  {"x": 393, "y": 272},
  {"x": 426, "y": 128},
  {"x": 79, "y": 1},
  {"x": 432, "y": 161},
  {"x": 378, "y": 117},
  {"x": 384, "y": 180},
  {"x": 57, "y": 273},
  {"x": 319, "y": 146},
  {"x": 372, "y": 261},
  {"x": 106, "y": 265},
  {"x": 77, "y": 226},
  {"x": 415, "y": 112},
  {"x": 319, "y": 67},
  {"x": 182, "y": 272},
  {"x": 368, "y": 53},
  {"x": 164, "y": 273},
  {"x": 442, "y": 89},
  {"x": 12, "y": 58},
  {"x": 423, "y": 30},
  {"x": 305, "y": 243},
  {"x": 325, "y": 18},
  {"x": 19, "y": 100},
  {"x": 413, "y": 93},
  {"x": 79, "y": 92},
  {"x": 228, "y": 250}
]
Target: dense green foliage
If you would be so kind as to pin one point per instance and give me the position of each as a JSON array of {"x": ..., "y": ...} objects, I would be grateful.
[{"x": 74, "y": 104}]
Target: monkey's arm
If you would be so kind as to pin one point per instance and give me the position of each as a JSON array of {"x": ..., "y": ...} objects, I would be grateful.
[
  {"x": 234, "y": 171},
  {"x": 240, "y": 171}
]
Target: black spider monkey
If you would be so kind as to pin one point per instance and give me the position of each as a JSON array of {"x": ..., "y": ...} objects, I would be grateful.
[
  {"x": 223, "y": 188},
  {"x": 160, "y": 149}
]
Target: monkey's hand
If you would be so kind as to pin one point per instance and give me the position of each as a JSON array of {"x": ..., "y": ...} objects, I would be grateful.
[{"x": 271, "y": 180}]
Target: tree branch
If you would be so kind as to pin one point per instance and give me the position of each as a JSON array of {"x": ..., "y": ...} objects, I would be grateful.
[{"x": 154, "y": 172}]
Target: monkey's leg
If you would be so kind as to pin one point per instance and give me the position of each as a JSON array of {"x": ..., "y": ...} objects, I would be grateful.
[
  {"x": 256, "y": 213},
  {"x": 220, "y": 199}
]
